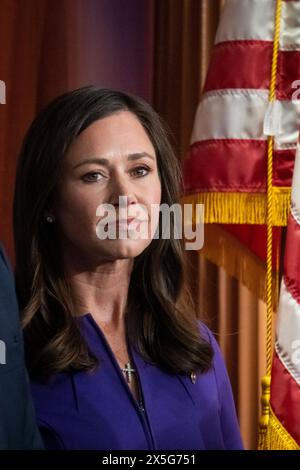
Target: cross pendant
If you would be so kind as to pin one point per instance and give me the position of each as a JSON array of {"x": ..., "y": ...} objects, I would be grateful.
[{"x": 128, "y": 371}]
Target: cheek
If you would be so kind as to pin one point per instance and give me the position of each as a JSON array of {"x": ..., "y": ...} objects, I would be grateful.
[
  {"x": 152, "y": 194},
  {"x": 155, "y": 197},
  {"x": 76, "y": 211},
  {"x": 153, "y": 200}
]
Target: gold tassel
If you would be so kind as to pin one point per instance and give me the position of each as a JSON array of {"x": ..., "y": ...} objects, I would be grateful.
[
  {"x": 277, "y": 437},
  {"x": 265, "y": 411},
  {"x": 272, "y": 435}
]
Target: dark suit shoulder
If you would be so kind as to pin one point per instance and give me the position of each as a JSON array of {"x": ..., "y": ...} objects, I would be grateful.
[
  {"x": 18, "y": 429},
  {"x": 4, "y": 259},
  {"x": 6, "y": 274}
]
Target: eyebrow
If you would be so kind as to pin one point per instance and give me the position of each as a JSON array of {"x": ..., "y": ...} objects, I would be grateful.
[{"x": 105, "y": 161}]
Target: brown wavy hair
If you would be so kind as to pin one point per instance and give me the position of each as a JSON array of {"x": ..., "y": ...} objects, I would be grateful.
[{"x": 160, "y": 317}]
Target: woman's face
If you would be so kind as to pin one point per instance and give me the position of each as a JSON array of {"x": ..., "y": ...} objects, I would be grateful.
[{"x": 88, "y": 182}]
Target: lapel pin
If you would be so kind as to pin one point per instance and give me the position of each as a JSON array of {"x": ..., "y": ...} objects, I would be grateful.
[{"x": 193, "y": 377}]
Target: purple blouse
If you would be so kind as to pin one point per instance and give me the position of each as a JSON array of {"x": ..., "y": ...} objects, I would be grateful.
[{"x": 97, "y": 410}]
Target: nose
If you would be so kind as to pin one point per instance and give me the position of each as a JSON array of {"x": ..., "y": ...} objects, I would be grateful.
[{"x": 122, "y": 192}]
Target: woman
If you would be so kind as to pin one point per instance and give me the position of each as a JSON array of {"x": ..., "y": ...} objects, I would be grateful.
[{"x": 117, "y": 357}]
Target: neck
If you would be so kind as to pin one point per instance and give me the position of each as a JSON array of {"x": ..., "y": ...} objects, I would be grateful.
[{"x": 101, "y": 290}]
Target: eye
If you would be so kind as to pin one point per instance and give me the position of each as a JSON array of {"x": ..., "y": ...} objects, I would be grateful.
[
  {"x": 141, "y": 169},
  {"x": 92, "y": 177}
]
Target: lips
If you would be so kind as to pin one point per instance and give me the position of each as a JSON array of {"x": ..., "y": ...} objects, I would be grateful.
[
  {"x": 131, "y": 223},
  {"x": 125, "y": 221}
]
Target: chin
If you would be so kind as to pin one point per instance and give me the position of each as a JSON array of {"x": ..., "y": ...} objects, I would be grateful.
[{"x": 122, "y": 249}]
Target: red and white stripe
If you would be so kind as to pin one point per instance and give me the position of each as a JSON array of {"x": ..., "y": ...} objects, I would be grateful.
[
  {"x": 229, "y": 122},
  {"x": 285, "y": 383}
]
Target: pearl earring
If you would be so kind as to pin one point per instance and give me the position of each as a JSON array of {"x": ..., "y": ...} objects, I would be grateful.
[{"x": 50, "y": 219}]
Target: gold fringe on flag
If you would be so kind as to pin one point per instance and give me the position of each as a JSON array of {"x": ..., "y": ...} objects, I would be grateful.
[
  {"x": 242, "y": 208},
  {"x": 223, "y": 249},
  {"x": 276, "y": 436}
]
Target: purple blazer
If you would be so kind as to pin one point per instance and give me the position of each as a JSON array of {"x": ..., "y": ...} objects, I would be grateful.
[{"x": 96, "y": 410}]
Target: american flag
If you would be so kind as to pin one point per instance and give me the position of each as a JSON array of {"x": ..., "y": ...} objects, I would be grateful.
[
  {"x": 226, "y": 168},
  {"x": 285, "y": 382}
]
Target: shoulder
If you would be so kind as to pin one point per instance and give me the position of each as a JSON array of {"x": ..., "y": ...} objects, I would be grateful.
[
  {"x": 229, "y": 423},
  {"x": 8, "y": 299},
  {"x": 10, "y": 328},
  {"x": 208, "y": 336},
  {"x": 206, "y": 333},
  {"x": 7, "y": 282},
  {"x": 218, "y": 363},
  {"x": 4, "y": 262}
]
